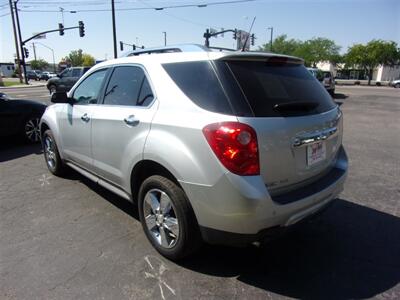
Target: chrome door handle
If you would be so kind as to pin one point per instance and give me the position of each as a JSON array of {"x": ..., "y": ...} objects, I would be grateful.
[
  {"x": 131, "y": 120},
  {"x": 85, "y": 118}
]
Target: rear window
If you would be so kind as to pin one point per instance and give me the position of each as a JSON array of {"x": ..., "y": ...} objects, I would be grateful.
[
  {"x": 266, "y": 85},
  {"x": 200, "y": 83}
]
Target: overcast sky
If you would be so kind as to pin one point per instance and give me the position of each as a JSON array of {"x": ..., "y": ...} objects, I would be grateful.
[{"x": 344, "y": 21}]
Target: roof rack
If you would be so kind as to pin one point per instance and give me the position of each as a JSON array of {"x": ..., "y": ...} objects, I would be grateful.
[{"x": 174, "y": 49}]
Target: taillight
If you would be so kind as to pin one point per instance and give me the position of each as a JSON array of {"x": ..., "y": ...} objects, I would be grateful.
[{"x": 235, "y": 145}]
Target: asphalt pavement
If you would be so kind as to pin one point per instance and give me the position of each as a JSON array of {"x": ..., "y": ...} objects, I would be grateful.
[{"x": 67, "y": 238}]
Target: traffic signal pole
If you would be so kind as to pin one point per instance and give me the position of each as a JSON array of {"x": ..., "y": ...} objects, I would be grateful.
[
  {"x": 16, "y": 42},
  {"x": 20, "y": 42},
  {"x": 114, "y": 29}
]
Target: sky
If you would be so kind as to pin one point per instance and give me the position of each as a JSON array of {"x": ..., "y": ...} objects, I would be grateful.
[{"x": 347, "y": 22}]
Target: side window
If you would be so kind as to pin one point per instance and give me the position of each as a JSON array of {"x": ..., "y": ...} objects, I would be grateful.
[
  {"x": 89, "y": 89},
  {"x": 66, "y": 73},
  {"x": 76, "y": 72},
  {"x": 146, "y": 94},
  {"x": 124, "y": 86}
]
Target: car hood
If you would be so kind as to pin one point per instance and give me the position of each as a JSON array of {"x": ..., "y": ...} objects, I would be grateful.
[{"x": 29, "y": 103}]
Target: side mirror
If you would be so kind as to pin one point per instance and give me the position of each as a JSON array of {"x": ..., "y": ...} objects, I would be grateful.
[
  {"x": 59, "y": 75},
  {"x": 61, "y": 97}
]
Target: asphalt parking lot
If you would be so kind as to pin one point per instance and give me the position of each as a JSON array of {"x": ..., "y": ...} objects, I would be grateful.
[{"x": 66, "y": 238}]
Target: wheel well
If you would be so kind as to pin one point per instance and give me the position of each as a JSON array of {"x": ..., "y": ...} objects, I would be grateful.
[{"x": 144, "y": 169}]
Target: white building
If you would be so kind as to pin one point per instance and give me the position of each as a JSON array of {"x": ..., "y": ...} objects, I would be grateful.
[
  {"x": 381, "y": 73},
  {"x": 7, "y": 69}
]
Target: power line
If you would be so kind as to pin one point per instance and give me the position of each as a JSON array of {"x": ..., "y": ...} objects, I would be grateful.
[{"x": 142, "y": 8}]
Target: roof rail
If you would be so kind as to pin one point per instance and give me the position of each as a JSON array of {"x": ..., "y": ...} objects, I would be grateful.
[{"x": 168, "y": 49}]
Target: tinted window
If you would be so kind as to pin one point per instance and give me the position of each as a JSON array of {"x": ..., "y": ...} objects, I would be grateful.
[
  {"x": 124, "y": 86},
  {"x": 88, "y": 90},
  {"x": 66, "y": 73},
  {"x": 146, "y": 94},
  {"x": 76, "y": 72},
  {"x": 268, "y": 84},
  {"x": 200, "y": 83}
]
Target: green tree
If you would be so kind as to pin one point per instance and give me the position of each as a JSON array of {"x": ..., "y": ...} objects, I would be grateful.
[
  {"x": 317, "y": 50},
  {"x": 371, "y": 55},
  {"x": 75, "y": 57},
  {"x": 282, "y": 45},
  {"x": 88, "y": 60},
  {"x": 39, "y": 64}
]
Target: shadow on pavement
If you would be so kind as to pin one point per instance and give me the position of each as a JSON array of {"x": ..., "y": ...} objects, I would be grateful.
[
  {"x": 348, "y": 252},
  {"x": 339, "y": 96},
  {"x": 14, "y": 147}
]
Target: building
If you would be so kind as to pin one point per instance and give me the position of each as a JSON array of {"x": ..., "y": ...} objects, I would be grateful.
[
  {"x": 381, "y": 73},
  {"x": 7, "y": 69}
]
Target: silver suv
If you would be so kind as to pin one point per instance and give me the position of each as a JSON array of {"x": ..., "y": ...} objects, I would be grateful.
[{"x": 218, "y": 147}]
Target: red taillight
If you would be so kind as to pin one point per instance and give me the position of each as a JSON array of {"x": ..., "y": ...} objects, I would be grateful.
[{"x": 235, "y": 145}]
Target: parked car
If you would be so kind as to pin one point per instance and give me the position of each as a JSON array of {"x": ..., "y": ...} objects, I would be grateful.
[
  {"x": 33, "y": 74},
  {"x": 20, "y": 117},
  {"x": 64, "y": 81},
  {"x": 47, "y": 75},
  {"x": 222, "y": 147},
  {"x": 326, "y": 78},
  {"x": 395, "y": 83}
]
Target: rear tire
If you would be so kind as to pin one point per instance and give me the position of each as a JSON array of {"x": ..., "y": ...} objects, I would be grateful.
[
  {"x": 52, "y": 157},
  {"x": 167, "y": 218},
  {"x": 397, "y": 85}
]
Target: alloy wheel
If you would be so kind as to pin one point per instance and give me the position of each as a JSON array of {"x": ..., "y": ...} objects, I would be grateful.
[
  {"x": 160, "y": 217},
  {"x": 50, "y": 153},
  {"x": 32, "y": 130}
]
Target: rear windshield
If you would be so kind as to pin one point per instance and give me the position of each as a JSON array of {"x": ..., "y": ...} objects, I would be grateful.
[{"x": 266, "y": 85}]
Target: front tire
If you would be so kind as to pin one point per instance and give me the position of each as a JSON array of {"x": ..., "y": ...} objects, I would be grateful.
[
  {"x": 167, "y": 218},
  {"x": 52, "y": 89},
  {"x": 52, "y": 157}
]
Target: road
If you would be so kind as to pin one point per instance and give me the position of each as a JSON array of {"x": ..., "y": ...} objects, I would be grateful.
[
  {"x": 38, "y": 93},
  {"x": 67, "y": 238}
]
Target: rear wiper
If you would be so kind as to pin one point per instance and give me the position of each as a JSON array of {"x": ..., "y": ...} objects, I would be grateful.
[{"x": 298, "y": 105}]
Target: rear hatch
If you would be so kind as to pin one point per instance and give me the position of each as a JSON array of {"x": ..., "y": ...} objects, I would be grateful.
[{"x": 297, "y": 123}]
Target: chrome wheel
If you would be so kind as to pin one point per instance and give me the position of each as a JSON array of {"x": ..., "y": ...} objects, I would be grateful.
[
  {"x": 160, "y": 218},
  {"x": 32, "y": 130},
  {"x": 53, "y": 89},
  {"x": 49, "y": 151}
]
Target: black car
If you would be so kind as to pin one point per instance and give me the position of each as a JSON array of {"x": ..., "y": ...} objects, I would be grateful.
[
  {"x": 20, "y": 117},
  {"x": 66, "y": 79}
]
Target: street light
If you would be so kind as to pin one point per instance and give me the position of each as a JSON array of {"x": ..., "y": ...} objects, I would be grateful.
[
  {"x": 165, "y": 38},
  {"x": 54, "y": 62},
  {"x": 270, "y": 41}
]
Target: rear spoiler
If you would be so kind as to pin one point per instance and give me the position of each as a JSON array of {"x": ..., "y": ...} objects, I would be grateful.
[{"x": 278, "y": 59}]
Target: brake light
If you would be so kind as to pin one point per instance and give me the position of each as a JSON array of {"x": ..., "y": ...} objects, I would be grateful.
[{"x": 235, "y": 145}]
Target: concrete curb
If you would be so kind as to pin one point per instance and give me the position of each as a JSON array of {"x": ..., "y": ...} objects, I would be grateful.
[{"x": 21, "y": 86}]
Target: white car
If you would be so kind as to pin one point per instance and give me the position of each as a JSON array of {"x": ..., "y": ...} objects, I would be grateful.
[{"x": 395, "y": 83}]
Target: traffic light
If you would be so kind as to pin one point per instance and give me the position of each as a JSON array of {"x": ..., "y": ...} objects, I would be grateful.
[
  {"x": 61, "y": 28},
  {"x": 81, "y": 29},
  {"x": 252, "y": 39},
  {"x": 26, "y": 51},
  {"x": 121, "y": 46},
  {"x": 235, "y": 34}
]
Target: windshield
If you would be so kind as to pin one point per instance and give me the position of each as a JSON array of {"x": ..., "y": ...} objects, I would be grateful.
[{"x": 269, "y": 85}]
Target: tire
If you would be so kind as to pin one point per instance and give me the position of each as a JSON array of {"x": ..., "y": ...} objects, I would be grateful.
[
  {"x": 51, "y": 155},
  {"x": 169, "y": 221},
  {"x": 31, "y": 129},
  {"x": 397, "y": 85},
  {"x": 52, "y": 89}
]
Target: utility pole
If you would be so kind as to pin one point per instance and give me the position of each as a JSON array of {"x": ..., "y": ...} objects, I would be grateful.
[
  {"x": 165, "y": 38},
  {"x": 34, "y": 50},
  {"x": 114, "y": 29},
  {"x": 20, "y": 41},
  {"x": 270, "y": 41},
  {"x": 16, "y": 42}
]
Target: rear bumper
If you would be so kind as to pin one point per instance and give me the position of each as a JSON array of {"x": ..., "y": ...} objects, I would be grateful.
[{"x": 239, "y": 210}]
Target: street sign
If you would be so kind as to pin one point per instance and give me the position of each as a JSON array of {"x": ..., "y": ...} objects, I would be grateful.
[
  {"x": 39, "y": 37},
  {"x": 243, "y": 37}
]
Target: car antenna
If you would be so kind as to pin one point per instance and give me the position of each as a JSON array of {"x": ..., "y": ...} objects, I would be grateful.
[{"x": 247, "y": 38}]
